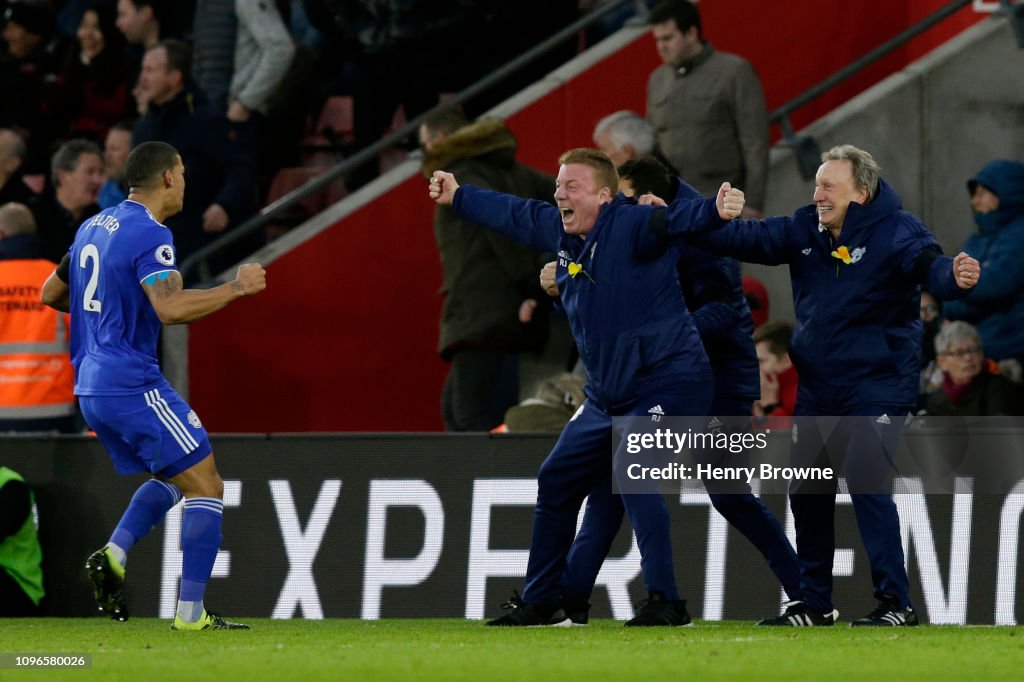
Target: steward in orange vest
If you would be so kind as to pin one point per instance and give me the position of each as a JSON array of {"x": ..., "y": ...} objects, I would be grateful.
[{"x": 36, "y": 377}]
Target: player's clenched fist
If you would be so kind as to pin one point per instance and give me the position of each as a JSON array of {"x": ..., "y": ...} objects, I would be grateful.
[
  {"x": 442, "y": 187},
  {"x": 730, "y": 201},
  {"x": 251, "y": 279}
]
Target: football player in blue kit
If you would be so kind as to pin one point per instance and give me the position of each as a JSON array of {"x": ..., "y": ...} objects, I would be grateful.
[{"x": 120, "y": 283}]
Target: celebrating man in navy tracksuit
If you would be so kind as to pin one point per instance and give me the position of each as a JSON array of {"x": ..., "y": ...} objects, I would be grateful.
[
  {"x": 713, "y": 291},
  {"x": 638, "y": 344},
  {"x": 857, "y": 263}
]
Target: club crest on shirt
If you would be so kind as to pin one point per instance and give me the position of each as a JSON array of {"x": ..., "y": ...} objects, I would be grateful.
[
  {"x": 193, "y": 420},
  {"x": 164, "y": 254},
  {"x": 848, "y": 257}
]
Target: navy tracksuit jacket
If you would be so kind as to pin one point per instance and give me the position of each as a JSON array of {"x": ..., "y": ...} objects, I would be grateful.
[
  {"x": 639, "y": 347},
  {"x": 713, "y": 290}
]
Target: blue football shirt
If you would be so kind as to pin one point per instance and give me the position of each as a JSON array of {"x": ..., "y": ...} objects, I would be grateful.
[{"x": 114, "y": 328}]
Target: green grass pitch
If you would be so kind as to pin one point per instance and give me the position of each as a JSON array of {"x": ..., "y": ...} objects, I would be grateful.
[{"x": 145, "y": 650}]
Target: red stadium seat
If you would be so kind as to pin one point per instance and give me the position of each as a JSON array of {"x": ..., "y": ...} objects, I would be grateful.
[{"x": 334, "y": 128}]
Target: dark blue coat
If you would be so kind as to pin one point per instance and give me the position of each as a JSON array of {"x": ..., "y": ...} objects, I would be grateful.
[
  {"x": 218, "y": 168},
  {"x": 857, "y": 340},
  {"x": 996, "y": 305},
  {"x": 713, "y": 291},
  {"x": 629, "y": 320}
]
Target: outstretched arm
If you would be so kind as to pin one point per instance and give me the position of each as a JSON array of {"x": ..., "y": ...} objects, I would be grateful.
[
  {"x": 175, "y": 305},
  {"x": 921, "y": 257},
  {"x": 699, "y": 214},
  {"x": 442, "y": 188},
  {"x": 528, "y": 221}
]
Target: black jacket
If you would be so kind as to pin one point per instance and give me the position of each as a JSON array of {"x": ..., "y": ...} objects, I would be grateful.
[
  {"x": 486, "y": 275},
  {"x": 218, "y": 168}
]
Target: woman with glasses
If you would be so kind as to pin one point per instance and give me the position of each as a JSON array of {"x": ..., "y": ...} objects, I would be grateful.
[{"x": 971, "y": 385}]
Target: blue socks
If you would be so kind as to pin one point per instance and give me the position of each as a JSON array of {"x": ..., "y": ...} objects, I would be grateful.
[
  {"x": 200, "y": 541},
  {"x": 148, "y": 507}
]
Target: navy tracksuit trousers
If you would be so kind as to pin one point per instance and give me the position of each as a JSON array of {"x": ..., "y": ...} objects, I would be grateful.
[
  {"x": 867, "y": 441},
  {"x": 740, "y": 508},
  {"x": 580, "y": 461}
]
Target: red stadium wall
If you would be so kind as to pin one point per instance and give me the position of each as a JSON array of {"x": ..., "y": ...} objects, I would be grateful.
[{"x": 344, "y": 338}]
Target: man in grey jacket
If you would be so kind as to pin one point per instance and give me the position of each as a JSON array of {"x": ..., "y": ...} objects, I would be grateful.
[
  {"x": 707, "y": 108},
  {"x": 263, "y": 53}
]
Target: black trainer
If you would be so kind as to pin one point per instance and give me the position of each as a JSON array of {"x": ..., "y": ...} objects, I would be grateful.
[
  {"x": 108, "y": 585},
  {"x": 888, "y": 614},
  {"x": 529, "y": 615},
  {"x": 577, "y": 613},
  {"x": 656, "y": 610},
  {"x": 798, "y": 615}
]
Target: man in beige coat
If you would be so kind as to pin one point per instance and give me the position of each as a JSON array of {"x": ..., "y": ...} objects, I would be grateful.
[{"x": 707, "y": 108}]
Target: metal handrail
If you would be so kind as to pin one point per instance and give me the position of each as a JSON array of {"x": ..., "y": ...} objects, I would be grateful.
[
  {"x": 273, "y": 210},
  {"x": 805, "y": 148}
]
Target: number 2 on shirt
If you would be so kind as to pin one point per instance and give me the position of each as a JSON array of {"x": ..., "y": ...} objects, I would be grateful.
[{"x": 88, "y": 302}]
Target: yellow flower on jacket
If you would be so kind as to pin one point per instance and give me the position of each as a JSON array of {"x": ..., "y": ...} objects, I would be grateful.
[
  {"x": 843, "y": 254},
  {"x": 575, "y": 268}
]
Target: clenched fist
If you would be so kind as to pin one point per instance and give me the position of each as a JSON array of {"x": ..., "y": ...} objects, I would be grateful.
[
  {"x": 730, "y": 201},
  {"x": 251, "y": 279}
]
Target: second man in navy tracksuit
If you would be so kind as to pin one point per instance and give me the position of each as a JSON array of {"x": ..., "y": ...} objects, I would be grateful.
[{"x": 857, "y": 263}]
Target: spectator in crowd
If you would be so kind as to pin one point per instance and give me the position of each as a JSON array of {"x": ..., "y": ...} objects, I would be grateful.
[
  {"x": 12, "y": 156},
  {"x": 557, "y": 398},
  {"x": 931, "y": 321},
  {"x": 94, "y": 79},
  {"x": 26, "y": 71},
  {"x": 263, "y": 53},
  {"x": 36, "y": 378},
  {"x": 220, "y": 171},
  {"x": 21, "y": 557},
  {"x": 778, "y": 375},
  {"x": 139, "y": 21},
  {"x": 115, "y": 153},
  {"x": 857, "y": 262},
  {"x": 214, "y": 34},
  {"x": 487, "y": 276},
  {"x": 626, "y": 136},
  {"x": 996, "y": 306},
  {"x": 76, "y": 173},
  {"x": 707, "y": 108},
  {"x": 391, "y": 38},
  {"x": 756, "y": 294},
  {"x": 971, "y": 385}
]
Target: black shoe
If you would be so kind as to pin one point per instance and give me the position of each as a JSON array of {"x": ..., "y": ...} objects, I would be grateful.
[
  {"x": 658, "y": 611},
  {"x": 888, "y": 614},
  {"x": 530, "y": 615},
  {"x": 577, "y": 613},
  {"x": 108, "y": 585},
  {"x": 798, "y": 615}
]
